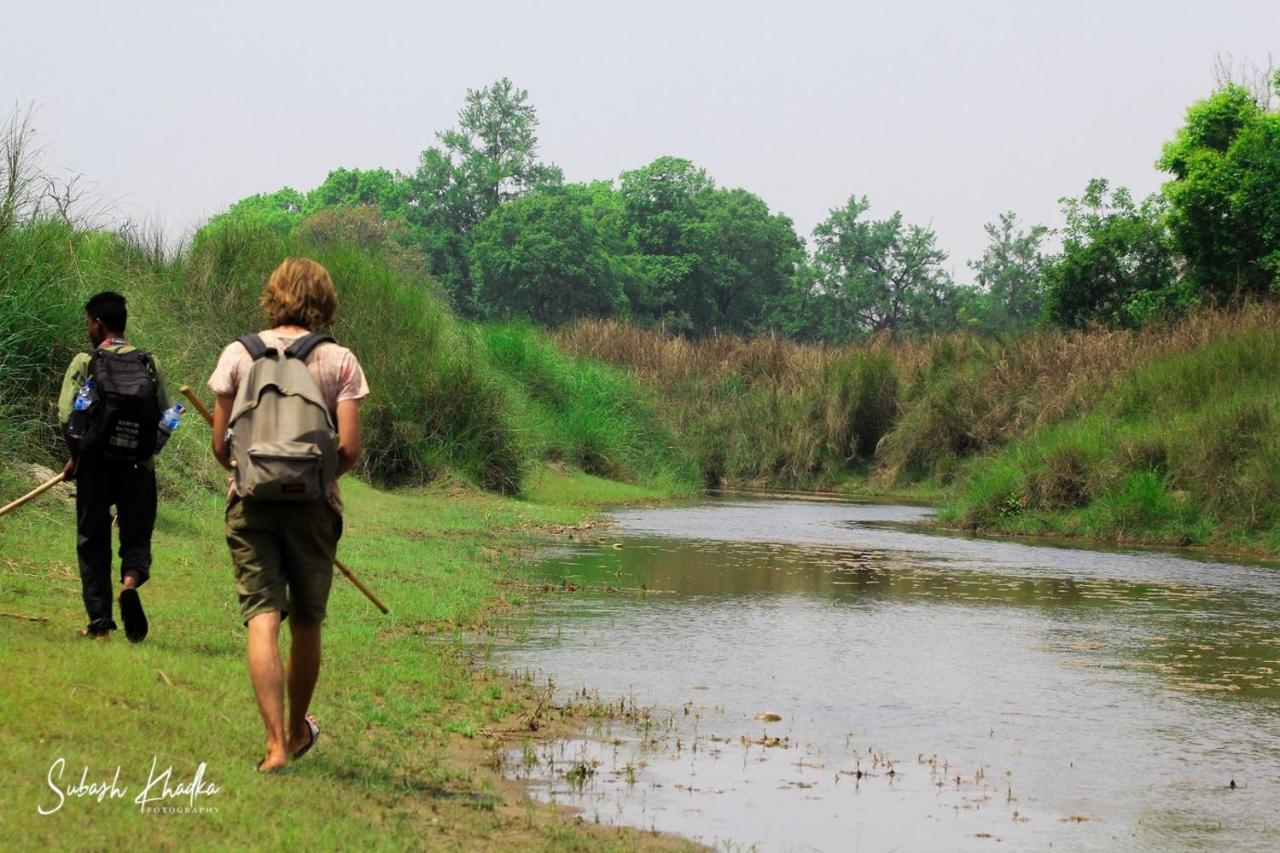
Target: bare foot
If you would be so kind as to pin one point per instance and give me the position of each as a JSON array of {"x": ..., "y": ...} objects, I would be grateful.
[{"x": 275, "y": 760}]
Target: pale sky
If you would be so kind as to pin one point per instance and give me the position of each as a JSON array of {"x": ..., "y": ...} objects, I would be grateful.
[{"x": 948, "y": 111}]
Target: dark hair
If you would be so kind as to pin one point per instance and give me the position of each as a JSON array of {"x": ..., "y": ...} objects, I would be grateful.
[{"x": 108, "y": 308}]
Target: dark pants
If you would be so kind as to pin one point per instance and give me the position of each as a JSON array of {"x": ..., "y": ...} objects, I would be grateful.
[{"x": 131, "y": 489}]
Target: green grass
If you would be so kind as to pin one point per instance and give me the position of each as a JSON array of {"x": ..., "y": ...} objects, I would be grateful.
[
  {"x": 584, "y": 413},
  {"x": 1181, "y": 451},
  {"x": 399, "y": 696}
]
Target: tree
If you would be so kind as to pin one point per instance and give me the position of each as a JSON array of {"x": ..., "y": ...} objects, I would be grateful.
[
  {"x": 752, "y": 258},
  {"x": 494, "y": 147},
  {"x": 488, "y": 158},
  {"x": 1010, "y": 273},
  {"x": 279, "y": 211},
  {"x": 664, "y": 205},
  {"x": 544, "y": 256},
  {"x": 1224, "y": 199},
  {"x": 388, "y": 191},
  {"x": 1116, "y": 266},
  {"x": 875, "y": 276},
  {"x": 1262, "y": 81},
  {"x": 707, "y": 258}
]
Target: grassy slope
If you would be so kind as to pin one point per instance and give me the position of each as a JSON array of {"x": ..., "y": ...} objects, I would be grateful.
[
  {"x": 1181, "y": 450},
  {"x": 407, "y": 719}
]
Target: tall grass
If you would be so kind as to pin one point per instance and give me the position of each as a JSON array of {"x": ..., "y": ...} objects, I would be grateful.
[
  {"x": 448, "y": 396},
  {"x": 47, "y": 270},
  {"x": 1180, "y": 450},
  {"x": 581, "y": 411},
  {"x": 1166, "y": 434},
  {"x": 1162, "y": 434},
  {"x": 762, "y": 411},
  {"x": 437, "y": 404}
]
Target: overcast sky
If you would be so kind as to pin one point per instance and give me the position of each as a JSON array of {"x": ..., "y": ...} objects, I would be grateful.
[{"x": 948, "y": 111}]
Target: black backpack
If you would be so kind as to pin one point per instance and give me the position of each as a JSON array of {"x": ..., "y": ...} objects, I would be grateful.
[{"x": 125, "y": 414}]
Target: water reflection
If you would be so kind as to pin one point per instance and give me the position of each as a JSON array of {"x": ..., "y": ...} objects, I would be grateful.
[{"x": 1084, "y": 698}]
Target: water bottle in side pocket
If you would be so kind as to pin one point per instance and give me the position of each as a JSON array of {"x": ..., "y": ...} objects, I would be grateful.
[
  {"x": 169, "y": 421},
  {"x": 78, "y": 423}
]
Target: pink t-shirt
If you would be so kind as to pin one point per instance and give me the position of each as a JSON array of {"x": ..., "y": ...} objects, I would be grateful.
[{"x": 334, "y": 367}]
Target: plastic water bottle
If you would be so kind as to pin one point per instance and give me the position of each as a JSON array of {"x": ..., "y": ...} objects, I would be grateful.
[
  {"x": 169, "y": 421},
  {"x": 78, "y": 423},
  {"x": 84, "y": 397}
]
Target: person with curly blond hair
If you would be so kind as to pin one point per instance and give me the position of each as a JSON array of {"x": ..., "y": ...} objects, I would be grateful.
[{"x": 283, "y": 550}]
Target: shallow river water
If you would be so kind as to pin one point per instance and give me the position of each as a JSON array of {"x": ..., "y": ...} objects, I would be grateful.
[{"x": 935, "y": 692}]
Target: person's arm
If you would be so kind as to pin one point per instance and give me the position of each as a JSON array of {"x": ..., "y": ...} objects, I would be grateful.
[
  {"x": 348, "y": 434},
  {"x": 162, "y": 388},
  {"x": 221, "y": 417}
]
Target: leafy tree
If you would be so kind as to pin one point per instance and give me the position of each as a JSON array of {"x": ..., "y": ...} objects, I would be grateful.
[
  {"x": 1010, "y": 273},
  {"x": 494, "y": 147},
  {"x": 545, "y": 256},
  {"x": 488, "y": 158},
  {"x": 388, "y": 191},
  {"x": 753, "y": 256},
  {"x": 706, "y": 258},
  {"x": 664, "y": 205},
  {"x": 1224, "y": 199},
  {"x": 279, "y": 211},
  {"x": 879, "y": 276},
  {"x": 1116, "y": 266}
]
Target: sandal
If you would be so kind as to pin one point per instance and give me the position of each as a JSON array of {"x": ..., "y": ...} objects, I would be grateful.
[{"x": 314, "y": 728}]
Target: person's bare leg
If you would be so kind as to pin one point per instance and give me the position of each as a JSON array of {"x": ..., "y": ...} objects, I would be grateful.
[
  {"x": 304, "y": 671},
  {"x": 130, "y": 580},
  {"x": 267, "y": 675}
]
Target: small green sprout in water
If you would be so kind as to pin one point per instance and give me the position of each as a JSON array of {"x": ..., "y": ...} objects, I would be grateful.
[
  {"x": 528, "y": 754},
  {"x": 578, "y": 774}
]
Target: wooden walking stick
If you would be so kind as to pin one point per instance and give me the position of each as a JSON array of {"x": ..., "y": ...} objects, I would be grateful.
[
  {"x": 208, "y": 416},
  {"x": 34, "y": 493}
]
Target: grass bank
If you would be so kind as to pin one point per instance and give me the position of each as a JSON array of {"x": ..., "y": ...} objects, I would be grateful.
[
  {"x": 412, "y": 728},
  {"x": 1160, "y": 436},
  {"x": 475, "y": 440},
  {"x": 485, "y": 403}
]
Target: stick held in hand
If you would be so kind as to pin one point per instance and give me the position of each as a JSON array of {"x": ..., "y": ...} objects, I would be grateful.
[{"x": 36, "y": 492}]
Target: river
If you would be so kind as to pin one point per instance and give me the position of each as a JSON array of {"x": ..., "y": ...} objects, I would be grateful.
[{"x": 934, "y": 692}]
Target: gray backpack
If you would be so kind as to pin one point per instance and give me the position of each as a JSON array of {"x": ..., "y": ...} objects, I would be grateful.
[{"x": 282, "y": 436}]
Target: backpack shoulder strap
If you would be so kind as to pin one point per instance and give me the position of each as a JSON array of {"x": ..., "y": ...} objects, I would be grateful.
[
  {"x": 147, "y": 359},
  {"x": 254, "y": 344},
  {"x": 303, "y": 346}
]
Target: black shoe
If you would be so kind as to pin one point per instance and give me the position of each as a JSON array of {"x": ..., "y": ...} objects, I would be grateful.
[
  {"x": 135, "y": 620},
  {"x": 98, "y": 629}
]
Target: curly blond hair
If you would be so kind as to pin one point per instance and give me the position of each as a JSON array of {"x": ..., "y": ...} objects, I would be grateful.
[{"x": 300, "y": 293}]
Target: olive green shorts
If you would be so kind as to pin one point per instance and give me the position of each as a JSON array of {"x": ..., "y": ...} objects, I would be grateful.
[{"x": 283, "y": 552}]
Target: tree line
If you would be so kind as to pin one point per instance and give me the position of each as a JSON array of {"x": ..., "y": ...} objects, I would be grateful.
[{"x": 506, "y": 236}]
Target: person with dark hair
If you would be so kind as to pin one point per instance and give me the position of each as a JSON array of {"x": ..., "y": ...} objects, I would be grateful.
[{"x": 110, "y": 410}]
